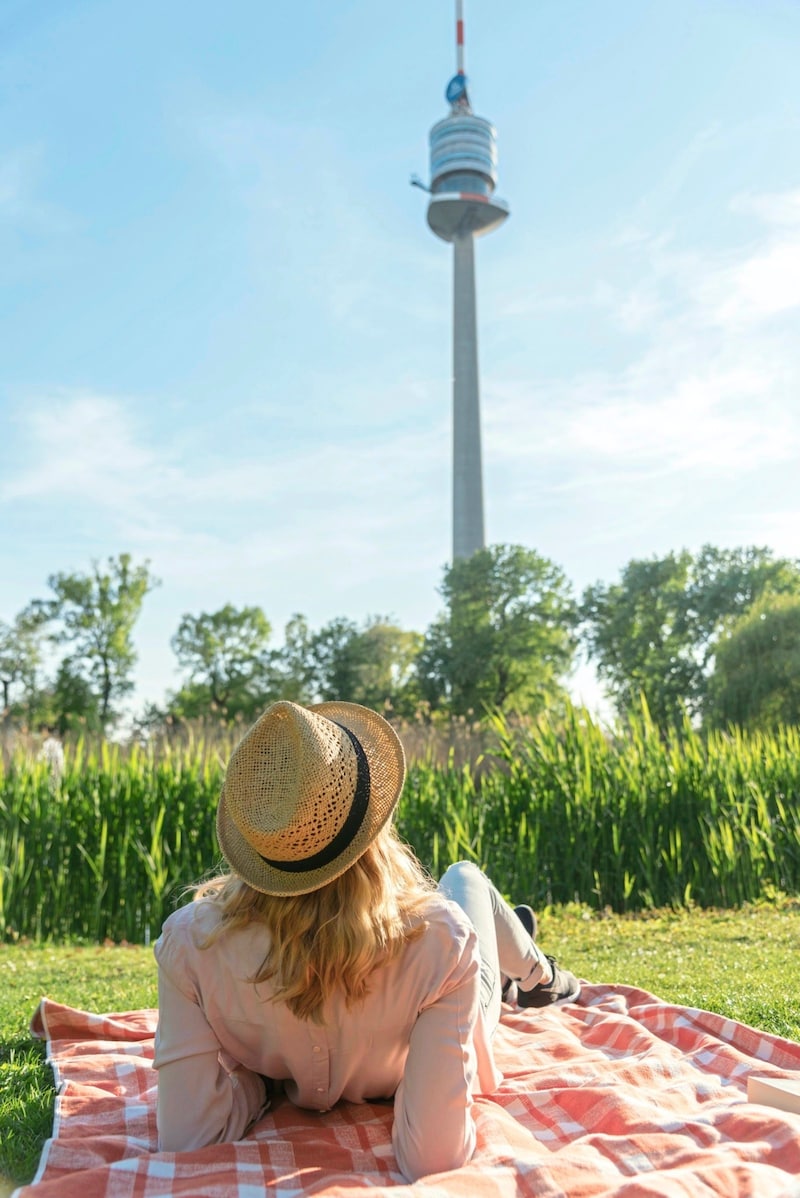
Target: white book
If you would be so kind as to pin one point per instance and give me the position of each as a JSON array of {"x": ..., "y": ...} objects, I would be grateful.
[{"x": 780, "y": 1092}]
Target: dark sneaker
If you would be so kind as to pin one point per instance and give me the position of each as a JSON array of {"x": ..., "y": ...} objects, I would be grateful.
[
  {"x": 527, "y": 917},
  {"x": 564, "y": 987}
]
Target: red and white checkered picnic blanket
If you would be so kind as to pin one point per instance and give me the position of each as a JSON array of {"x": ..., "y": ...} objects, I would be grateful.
[{"x": 618, "y": 1094}]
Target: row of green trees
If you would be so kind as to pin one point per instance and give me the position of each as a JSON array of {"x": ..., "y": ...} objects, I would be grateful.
[{"x": 715, "y": 635}]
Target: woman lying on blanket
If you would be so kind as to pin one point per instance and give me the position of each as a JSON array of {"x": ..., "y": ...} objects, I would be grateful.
[{"x": 327, "y": 962}]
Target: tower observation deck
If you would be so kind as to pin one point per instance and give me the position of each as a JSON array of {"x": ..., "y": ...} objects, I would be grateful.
[
  {"x": 464, "y": 174},
  {"x": 462, "y": 206}
]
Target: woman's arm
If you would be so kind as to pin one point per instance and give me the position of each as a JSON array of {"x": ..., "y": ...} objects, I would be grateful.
[
  {"x": 199, "y": 1101},
  {"x": 433, "y": 1126}
]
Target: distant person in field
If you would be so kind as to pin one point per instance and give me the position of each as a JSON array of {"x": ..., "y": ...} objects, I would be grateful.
[
  {"x": 327, "y": 965},
  {"x": 52, "y": 752}
]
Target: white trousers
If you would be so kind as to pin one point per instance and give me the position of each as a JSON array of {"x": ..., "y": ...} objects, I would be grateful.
[{"x": 506, "y": 949}]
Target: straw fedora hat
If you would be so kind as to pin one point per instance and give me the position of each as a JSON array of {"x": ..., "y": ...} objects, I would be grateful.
[{"x": 306, "y": 791}]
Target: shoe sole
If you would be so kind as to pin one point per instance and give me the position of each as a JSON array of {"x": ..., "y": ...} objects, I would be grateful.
[{"x": 555, "y": 1002}]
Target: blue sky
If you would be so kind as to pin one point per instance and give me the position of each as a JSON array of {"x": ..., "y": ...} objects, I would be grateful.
[{"x": 225, "y": 327}]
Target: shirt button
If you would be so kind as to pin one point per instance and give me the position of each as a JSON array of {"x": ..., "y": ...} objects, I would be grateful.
[
  {"x": 317, "y": 1048},
  {"x": 320, "y": 1089}
]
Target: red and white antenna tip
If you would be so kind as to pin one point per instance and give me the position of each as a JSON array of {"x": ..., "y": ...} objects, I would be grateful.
[{"x": 460, "y": 37}]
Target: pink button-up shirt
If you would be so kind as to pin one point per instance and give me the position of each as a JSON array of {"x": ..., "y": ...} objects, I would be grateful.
[{"x": 419, "y": 1036}]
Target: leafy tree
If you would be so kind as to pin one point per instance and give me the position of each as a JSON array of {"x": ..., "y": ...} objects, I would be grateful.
[
  {"x": 291, "y": 670},
  {"x": 638, "y": 633},
  {"x": 71, "y": 704},
  {"x": 223, "y": 653},
  {"x": 334, "y": 660},
  {"x": 756, "y": 677},
  {"x": 506, "y": 637},
  {"x": 387, "y": 676},
  {"x": 20, "y": 660},
  {"x": 95, "y": 614},
  {"x": 726, "y": 582},
  {"x": 372, "y": 664},
  {"x": 653, "y": 633}
]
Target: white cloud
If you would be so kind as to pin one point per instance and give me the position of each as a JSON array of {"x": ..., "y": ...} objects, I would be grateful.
[
  {"x": 215, "y": 517},
  {"x": 765, "y": 284},
  {"x": 702, "y": 422},
  {"x": 711, "y": 390},
  {"x": 774, "y": 208},
  {"x": 85, "y": 447}
]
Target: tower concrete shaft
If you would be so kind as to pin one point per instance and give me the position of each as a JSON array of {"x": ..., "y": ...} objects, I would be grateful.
[{"x": 468, "y": 529}]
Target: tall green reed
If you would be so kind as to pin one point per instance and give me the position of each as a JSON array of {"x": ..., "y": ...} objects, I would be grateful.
[
  {"x": 104, "y": 851},
  {"x": 627, "y": 820},
  {"x": 562, "y": 810}
]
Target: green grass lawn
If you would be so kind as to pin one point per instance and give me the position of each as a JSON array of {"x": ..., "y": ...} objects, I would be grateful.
[{"x": 743, "y": 964}]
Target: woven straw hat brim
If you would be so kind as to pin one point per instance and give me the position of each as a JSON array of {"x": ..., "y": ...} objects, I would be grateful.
[{"x": 387, "y": 766}]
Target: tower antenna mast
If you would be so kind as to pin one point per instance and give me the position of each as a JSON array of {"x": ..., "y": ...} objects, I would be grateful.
[{"x": 460, "y": 37}]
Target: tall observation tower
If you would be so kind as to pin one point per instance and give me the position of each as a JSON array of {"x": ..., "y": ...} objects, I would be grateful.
[{"x": 463, "y": 156}]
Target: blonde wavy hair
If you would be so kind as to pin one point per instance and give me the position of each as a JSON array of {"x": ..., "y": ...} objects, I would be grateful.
[{"x": 334, "y": 937}]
